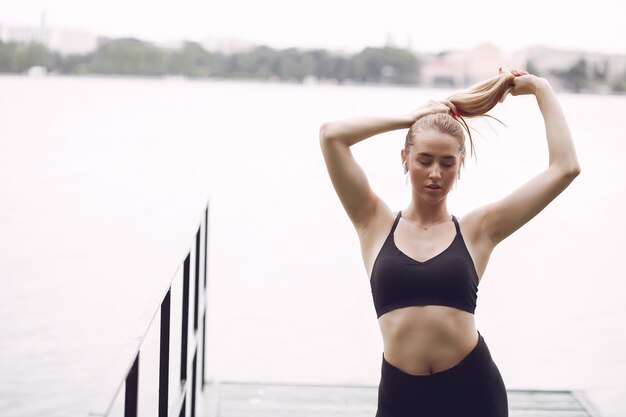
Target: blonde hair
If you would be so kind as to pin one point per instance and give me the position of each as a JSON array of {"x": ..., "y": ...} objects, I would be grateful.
[{"x": 473, "y": 102}]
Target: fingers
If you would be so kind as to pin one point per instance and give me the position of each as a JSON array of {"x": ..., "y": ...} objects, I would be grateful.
[
  {"x": 511, "y": 90},
  {"x": 515, "y": 72},
  {"x": 451, "y": 107}
]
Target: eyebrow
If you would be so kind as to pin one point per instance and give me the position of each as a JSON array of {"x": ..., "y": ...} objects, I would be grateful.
[{"x": 430, "y": 155}]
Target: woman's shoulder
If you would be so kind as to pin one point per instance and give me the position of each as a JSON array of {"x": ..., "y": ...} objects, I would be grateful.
[
  {"x": 473, "y": 217},
  {"x": 472, "y": 224},
  {"x": 381, "y": 219}
]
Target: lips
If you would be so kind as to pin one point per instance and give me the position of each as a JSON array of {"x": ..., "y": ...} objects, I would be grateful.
[{"x": 434, "y": 186}]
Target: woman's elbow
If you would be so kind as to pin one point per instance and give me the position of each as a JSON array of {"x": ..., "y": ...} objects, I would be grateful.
[
  {"x": 569, "y": 168},
  {"x": 325, "y": 131},
  {"x": 574, "y": 170},
  {"x": 571, "y": 171}
]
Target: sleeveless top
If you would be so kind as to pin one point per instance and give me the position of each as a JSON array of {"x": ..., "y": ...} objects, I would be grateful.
[{"x": 447, "y": 279}]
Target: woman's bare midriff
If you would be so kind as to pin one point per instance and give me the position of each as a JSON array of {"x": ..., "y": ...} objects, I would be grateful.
[{"x": 422, "y": 340}]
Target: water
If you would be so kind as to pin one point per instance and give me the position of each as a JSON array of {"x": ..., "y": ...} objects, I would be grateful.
[{"x": 103, "y": 181}]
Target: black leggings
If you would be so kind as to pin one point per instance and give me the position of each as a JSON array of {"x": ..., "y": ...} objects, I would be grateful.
[{"x": 471, "y": 388}]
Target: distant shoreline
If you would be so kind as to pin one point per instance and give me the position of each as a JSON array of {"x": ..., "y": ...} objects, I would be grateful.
[
  {"x": 259, "y": 81},
  {"x": 573, "y": 71}
]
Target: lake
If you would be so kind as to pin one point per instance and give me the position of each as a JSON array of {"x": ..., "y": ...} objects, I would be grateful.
[{"x": 103, "y": 180}]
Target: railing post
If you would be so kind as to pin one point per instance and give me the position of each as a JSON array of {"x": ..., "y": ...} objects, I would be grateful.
[
  {"x": 203, "y": 348},
  {"x": 206, "y": 240},
  {"x": 193, "y": 386},
  {"x": 132, "y": 387},
  {"x": 206, "y": 252},
  {"x": 185, "y": 324},
  {"x": 164, "y": 355},
  {"x": 196, "y": 282}
]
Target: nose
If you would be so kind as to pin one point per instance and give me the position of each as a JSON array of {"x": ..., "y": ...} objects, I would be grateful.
[{"x": 435, "y": 172}]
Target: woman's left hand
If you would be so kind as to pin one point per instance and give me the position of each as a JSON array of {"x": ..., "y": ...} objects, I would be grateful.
[{"x": 523, "y": 83}]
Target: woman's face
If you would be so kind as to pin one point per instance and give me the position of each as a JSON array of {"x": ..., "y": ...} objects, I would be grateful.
[{"x": 433, "y": 162}]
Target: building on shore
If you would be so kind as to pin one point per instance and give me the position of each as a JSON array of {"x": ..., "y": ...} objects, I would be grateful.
[
  {"x": 460, "y": 68},
  {"x": 65, "y": 41},
  {"x": 564, "y": 69}
]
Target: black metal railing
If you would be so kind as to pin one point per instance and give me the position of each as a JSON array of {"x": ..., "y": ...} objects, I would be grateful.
[{"x": 173, "y": 395}]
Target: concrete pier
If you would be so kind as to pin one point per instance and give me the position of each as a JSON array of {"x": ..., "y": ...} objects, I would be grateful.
[{"x": 257, "y": 399}]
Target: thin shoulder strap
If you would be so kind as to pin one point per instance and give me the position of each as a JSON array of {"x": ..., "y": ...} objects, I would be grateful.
[
  {"x": 395, "y": 223},
  {"x": 456, "y": 224}
]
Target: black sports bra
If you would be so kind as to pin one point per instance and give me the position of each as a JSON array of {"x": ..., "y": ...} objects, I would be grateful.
[{"x": 447, "y": 279}]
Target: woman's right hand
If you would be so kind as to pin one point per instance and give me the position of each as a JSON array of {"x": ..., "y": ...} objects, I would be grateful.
[
  {"x": 527, "y": 84},
  {"x": 524, "y": 83},
  {"x": 432, "y": 106}
]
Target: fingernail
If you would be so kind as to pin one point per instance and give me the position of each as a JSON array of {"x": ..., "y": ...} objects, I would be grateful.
[{"x": 500, "y": 70}]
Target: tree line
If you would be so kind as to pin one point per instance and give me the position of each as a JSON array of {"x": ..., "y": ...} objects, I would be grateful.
[
  {"x": 135, "y": 57},
  {"x": 389, "y": 65}
]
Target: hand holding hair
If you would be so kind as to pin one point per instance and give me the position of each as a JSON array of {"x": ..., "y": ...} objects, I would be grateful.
[
  {"x": 526, "y": 84},
  {"x": 478, "y": 99},
  {"x": 431, "y": 107}
]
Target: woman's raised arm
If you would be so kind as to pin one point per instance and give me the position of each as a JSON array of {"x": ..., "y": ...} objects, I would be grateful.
[
  {"x": 502, "y": 218},
  {"x": 350, "y": 182}
]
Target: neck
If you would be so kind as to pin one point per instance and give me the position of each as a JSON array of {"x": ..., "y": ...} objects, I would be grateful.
[{"x": 427, "y": 213}]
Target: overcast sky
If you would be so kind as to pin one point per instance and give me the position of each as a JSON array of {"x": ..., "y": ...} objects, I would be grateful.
[{"x": 350, "y": 25}]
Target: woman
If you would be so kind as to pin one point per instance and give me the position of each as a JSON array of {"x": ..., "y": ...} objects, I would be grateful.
[{"x": 425, "y": 264}]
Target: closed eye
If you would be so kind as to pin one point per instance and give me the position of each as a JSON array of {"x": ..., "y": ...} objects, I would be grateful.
[{"x": 426, "y": 163}]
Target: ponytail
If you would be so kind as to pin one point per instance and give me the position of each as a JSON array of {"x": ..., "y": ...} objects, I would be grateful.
[
  {"x": 478, "y": 99},
  {"x": 472, "y": 102},
  {"x": 483, "y": 96}
]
